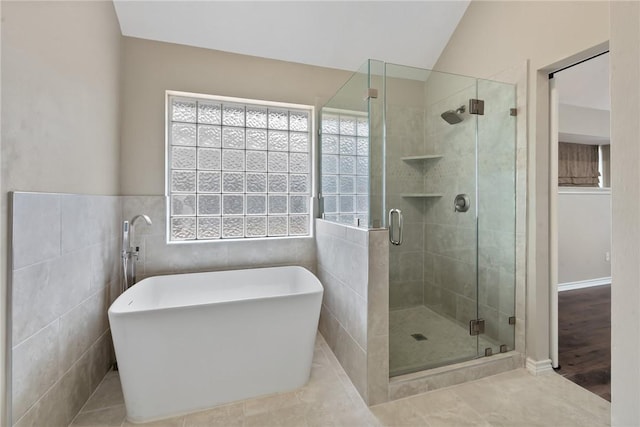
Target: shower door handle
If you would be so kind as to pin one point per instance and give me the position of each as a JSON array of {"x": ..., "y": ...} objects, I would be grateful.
[{"x": 392, "y": 233}]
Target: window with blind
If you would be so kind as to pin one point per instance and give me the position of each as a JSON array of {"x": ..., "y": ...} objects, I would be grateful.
[{"x": 578, "y": 165}]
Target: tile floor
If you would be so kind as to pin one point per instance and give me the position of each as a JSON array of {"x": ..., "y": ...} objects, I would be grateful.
[
  {"x": 446, "y": 342},
  {"x": 329, "y": 399}
]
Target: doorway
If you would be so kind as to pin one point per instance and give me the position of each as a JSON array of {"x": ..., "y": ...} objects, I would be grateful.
[{"x": 581, "y": 224}]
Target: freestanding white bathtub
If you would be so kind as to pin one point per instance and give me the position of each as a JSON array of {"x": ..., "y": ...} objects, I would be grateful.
[{"x": 188, "y": 342}]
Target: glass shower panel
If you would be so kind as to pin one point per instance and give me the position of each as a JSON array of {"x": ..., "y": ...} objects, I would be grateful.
[
  {"x": 377, "y": 183},
  {"x": 430, "y": 160},
  {"x": 403, "y": 140},
  {"x": 496, "y": 214},
  {"x": 344, "y": 148}
]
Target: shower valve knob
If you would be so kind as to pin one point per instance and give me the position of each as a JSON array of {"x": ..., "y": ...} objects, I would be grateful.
[{"x": 461, "y": 203}]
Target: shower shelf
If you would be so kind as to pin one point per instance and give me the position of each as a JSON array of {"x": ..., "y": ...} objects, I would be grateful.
[
  {"x": 424, "y": 157},
  {"x": 420, "y": 195}
]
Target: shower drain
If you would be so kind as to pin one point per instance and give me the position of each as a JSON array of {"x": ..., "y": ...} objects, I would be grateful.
[{"x": 419, "y": 337}]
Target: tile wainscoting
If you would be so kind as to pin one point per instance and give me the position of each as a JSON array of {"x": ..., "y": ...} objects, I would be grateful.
[
  {"x": 64, "y": 275},
  {"x": 158, "y": 257},
  {"x": 353, "y": 266}
]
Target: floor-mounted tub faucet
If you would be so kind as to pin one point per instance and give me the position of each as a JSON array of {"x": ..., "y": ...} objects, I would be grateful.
[{"x": 130, "y": 253}]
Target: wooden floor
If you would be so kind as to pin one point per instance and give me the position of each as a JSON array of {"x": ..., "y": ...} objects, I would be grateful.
[{"x": 584, "y": 317}]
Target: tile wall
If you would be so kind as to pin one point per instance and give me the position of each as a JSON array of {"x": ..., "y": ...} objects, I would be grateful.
[
  {"x": 353, "y": 267},
  {"x": 343, "y": 270},
  {"x": 378, "y": 318},
  {"x": 65, "y": 274},
  {"x": 450, "y": 249},
  {"x": 157, "y": 257},
  {"x": 405, "y": 127}
]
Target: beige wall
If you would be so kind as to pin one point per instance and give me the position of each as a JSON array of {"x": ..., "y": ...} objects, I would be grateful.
[
  {"x": 625, "y": 175},
  {"x": 495, "y": 35},
  {"x": 60, "y": 74},
  {"x": 151, "y": 67},
  {"x": 60, "y": 103}
]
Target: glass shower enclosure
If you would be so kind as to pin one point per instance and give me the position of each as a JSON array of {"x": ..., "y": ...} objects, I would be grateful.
[{"x": 430, "y": 156}]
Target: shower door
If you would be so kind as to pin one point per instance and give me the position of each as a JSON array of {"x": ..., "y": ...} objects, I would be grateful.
[
  {"x": 431, "y": 185},
  {"x": 431, "y": 157},
  {"x": 496, "y": 182},
  {"x": 450, "y": 195}
]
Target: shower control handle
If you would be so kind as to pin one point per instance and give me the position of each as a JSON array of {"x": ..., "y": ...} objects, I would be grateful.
[
  {"x": 392, "y": 233},
  {"x": 461, "y": 203}
]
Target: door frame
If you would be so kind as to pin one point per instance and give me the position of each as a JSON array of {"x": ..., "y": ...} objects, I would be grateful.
[{"x": 553, "y": 192}]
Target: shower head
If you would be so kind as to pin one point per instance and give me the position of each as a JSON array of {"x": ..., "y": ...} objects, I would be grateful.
[{"x": 453, "y": 116}]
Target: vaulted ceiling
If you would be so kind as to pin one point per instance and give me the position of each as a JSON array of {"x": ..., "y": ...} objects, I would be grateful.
[{"x": 335, "y": 34}]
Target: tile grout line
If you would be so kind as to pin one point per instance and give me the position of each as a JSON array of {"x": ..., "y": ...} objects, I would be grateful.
[
  {"x": 337, "y": 369},
  {"x": 61, "y": 315},
  {"x": 97, "y": 409},
  {"x": 58, "y": 381},
  {"x": 461, "y": 398},
  {"x": 92, "y": 394}
]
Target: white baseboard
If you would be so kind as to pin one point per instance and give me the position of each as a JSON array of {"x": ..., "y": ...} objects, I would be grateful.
[
  {"x": 569, "y": 286},
  {"x": 539, "y": 367}
]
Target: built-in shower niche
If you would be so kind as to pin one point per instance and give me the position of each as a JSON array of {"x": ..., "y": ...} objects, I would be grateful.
[{"x": 441, "y": 182}]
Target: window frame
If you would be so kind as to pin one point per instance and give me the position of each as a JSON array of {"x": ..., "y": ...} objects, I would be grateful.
[{"x": 313, "y": 168}]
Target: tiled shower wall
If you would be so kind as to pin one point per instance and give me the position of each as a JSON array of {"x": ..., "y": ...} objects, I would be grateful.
[
  {"x": 406, "y": 262},
  {"x": 450, "y": 250},
  {"x": 353, "y": 267},
  {"x": 65, "y": 253},
  {"x": 157, "y": 257}
]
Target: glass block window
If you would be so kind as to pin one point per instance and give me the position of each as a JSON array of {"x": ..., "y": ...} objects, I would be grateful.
[
  {"x": 237, "y": 169},
  {"x": 345, "y": 167}
]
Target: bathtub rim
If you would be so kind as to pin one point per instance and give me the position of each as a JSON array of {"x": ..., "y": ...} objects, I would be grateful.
[{"x": 116, "y": 311}]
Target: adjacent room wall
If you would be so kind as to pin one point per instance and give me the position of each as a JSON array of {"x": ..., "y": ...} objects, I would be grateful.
[
  {"x": 496, "y": 35},
  {"x": 60, "y": 104},
  {"x": 584, "y": 234},
  {"x": 585, "y": 122}
]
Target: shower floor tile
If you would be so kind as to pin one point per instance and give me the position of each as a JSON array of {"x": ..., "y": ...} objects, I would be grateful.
[
  {"x": 330, "y": 399},
  {"x": 446, "y": 341}
]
